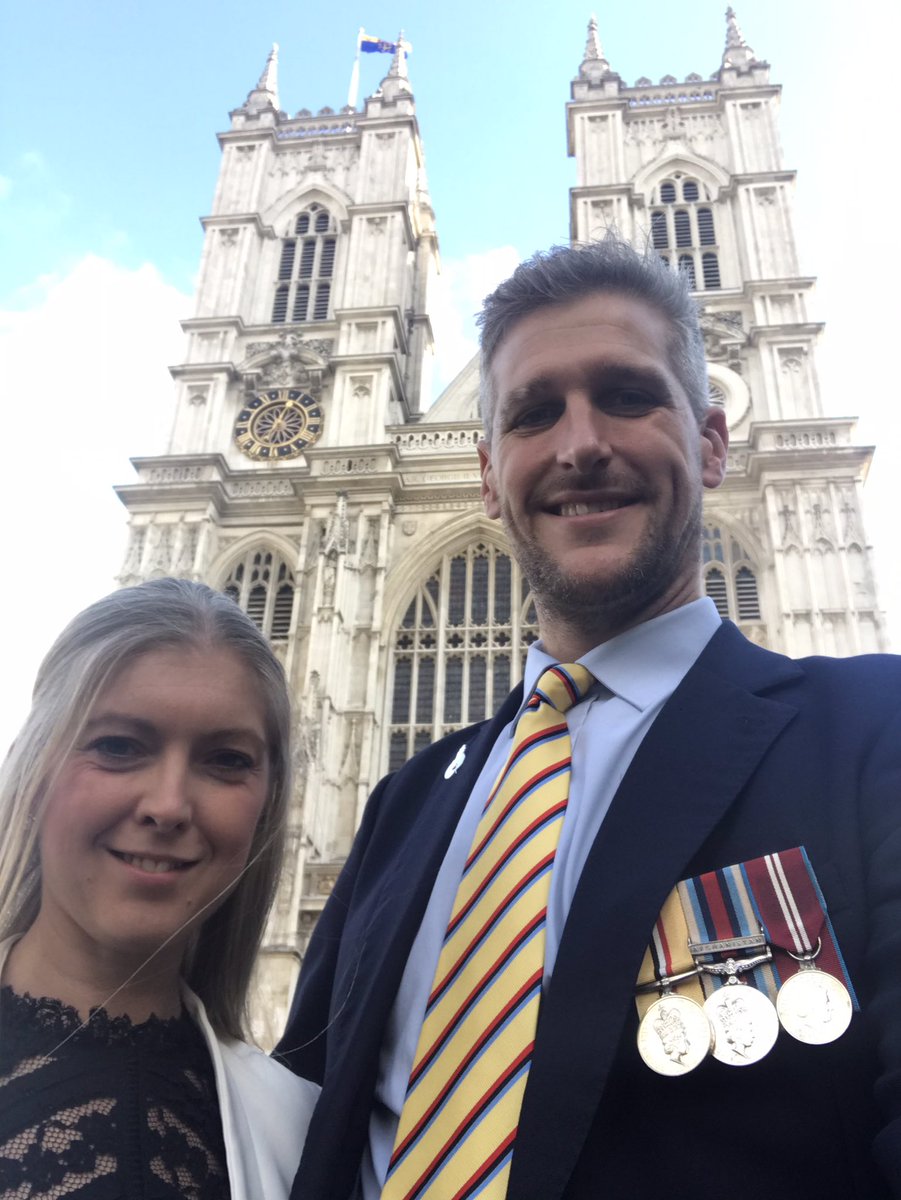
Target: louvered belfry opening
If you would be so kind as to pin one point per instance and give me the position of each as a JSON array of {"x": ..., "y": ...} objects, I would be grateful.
[
  {"x": 682, "y": 220},
  {"x": 306, "y": 268},
  {"x": 730, "y": 579},
  {"x": 262, "y": 584}
]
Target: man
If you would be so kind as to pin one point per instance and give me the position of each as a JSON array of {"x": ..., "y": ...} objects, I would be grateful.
[{"x": 691, "y": 750}]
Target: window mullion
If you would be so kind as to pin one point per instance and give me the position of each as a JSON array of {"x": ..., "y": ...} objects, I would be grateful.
[{"x": 269, "y": 606}]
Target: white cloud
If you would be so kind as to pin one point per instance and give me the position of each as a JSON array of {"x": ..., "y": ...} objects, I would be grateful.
[
  {"x": 84, "y": 374},
  {"x": 33, "y": 160},
  {"x": 456, "y": 297}
]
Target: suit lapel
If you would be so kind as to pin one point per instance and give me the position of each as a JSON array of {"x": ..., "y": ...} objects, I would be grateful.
[{"x": 698, "y": 755}]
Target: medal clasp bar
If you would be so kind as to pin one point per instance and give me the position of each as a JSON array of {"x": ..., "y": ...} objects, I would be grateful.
[{"x": 751, "y": 941}]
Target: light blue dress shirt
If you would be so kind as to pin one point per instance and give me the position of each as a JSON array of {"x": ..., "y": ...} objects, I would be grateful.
[{"x": 637, "y": 672}]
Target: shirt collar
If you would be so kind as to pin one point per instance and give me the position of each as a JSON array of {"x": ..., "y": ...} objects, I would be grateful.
[{"x": 644, "y": 665}]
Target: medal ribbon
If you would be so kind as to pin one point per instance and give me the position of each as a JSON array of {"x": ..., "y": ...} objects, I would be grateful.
[
  {"x": 793, "y": 913},
  {"x": 668, "y": 955},
  {"x": 718, "y": 906}
]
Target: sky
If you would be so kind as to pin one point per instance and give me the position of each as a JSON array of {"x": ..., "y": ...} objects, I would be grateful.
[{"x": 112, "y": 158}]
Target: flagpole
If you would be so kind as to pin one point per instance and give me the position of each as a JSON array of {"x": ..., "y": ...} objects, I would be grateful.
[{"x": 353, "y": 90}]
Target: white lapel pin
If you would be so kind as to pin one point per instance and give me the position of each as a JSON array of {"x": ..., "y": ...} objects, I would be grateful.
[{"x": 456, "y": 762}]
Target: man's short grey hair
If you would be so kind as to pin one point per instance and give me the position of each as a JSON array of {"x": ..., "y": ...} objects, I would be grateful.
[{"x": 566, "y": 273}]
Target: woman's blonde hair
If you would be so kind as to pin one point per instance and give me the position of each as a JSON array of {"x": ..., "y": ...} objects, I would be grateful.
[{"x": 83, "y": 660}]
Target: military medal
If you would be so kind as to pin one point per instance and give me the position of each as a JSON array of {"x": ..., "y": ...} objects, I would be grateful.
[
  {"x": 814, "y": 1006},
  {"x": 730, "y": 951},
  {"x": 744, "y": 1023},
  {"x": 815, "y": 1002},
  {"x": 675, "y": 1035}
]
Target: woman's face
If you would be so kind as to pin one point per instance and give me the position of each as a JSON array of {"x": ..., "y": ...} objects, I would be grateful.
[{"x": 150, "y": 819}]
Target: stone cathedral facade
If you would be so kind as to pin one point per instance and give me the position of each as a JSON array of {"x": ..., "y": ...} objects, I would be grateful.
[{"x": 306, "y": 477}]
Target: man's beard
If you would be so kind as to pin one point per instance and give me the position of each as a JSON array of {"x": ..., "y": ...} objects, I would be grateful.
[{"x": 619, "y": 596}]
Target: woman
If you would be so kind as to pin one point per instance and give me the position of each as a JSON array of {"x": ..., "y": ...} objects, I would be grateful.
[{"x": 143, "y": 811}]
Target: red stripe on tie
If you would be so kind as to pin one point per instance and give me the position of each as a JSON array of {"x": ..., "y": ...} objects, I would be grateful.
[
  {"x": 484, "y": 1038},
  {"x": 499, "y": 963},
  {"x": 471, "y": 1118},
  {"x": 528, "y": 744},
  {"x": 568, "y": 683},
  {"x": 546, "y": 772},
  {"x": 467, "y": 953},
  {"x": 475, "y": 1180},
  {"x": 502, "y": 861}
]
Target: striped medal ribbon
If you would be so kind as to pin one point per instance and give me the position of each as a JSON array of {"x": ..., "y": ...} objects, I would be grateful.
[
  {"x": 728, "y": 945},
  {"x": 459, "y": 1120},
  {"x": 816, "y": 999}
]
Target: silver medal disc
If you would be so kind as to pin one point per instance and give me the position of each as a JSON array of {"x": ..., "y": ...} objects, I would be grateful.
[
  {"x": 814, "y": 1007},
  {"x": 674, "y": 1035},
  {"x": 745, "y": 1025}
]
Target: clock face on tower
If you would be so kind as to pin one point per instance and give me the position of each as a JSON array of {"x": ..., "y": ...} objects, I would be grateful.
[{"x": 280, "y": 423}]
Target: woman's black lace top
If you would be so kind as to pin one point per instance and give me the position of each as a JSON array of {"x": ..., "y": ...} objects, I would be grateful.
[{"x": 115, "y": 1111}]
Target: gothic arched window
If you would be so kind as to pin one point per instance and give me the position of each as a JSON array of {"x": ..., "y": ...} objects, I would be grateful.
[
  {"x": 459, "y": 648},
  {"x": 306, "y": 267},
  {"x": 689, "y": 227},
  {"x": 729, "y": 577},
  {"x": 262, "y": 584}
]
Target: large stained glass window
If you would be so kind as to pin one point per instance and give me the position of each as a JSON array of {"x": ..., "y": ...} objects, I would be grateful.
[{"x": 459, "y": 648}]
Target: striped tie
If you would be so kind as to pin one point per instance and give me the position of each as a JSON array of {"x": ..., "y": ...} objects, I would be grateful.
[{"x": 459, "y": 1120}]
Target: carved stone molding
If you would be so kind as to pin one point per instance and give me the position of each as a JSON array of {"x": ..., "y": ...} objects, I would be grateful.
[
  {"x": 427, "y": 441},
  {"x": 261, "y": 488},
  {"x": 287, "y": 360},
  {"x": 348, "y": 466}
]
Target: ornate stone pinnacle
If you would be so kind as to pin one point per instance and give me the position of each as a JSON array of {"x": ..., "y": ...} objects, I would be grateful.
[
  {"x": 593, "y": 47},
  {"x": 594, "y": 65},
  {"x": 268, "y": 81},
  {"x": 265, "y": 94},
  {"x": 399, "y": 61},
  {"x": 396, "y": 83},
  {"x": 737, "y": 52}
]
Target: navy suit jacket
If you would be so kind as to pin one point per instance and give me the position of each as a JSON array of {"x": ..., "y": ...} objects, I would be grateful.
[{"x": 753, "y": 753}]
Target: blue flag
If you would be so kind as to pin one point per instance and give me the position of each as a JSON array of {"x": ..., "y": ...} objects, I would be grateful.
[{"x": 374, "y": 45}]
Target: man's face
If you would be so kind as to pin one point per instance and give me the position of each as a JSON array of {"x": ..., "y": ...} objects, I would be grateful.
[{"x": 596, "y": 465}]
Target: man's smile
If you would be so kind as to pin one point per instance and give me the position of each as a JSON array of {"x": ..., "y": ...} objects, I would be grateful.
[{"x": 583, "y": 508}]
